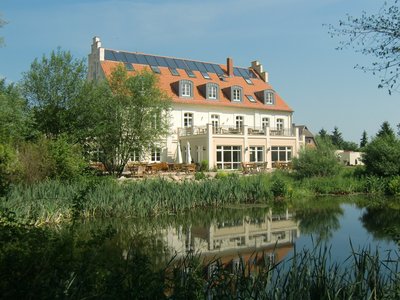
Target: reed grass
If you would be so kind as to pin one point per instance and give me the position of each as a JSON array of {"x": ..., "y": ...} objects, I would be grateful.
[{"x": 57, "y": 201}]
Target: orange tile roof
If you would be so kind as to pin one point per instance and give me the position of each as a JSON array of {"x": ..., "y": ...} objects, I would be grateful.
[{"x": 167, "y": 80}]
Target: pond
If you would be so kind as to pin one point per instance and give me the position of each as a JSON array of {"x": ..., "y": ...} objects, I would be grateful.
[{"x": 227, "y": 233}]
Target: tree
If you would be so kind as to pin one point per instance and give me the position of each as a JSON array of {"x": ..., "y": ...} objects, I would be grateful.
[
  {"x": 382, "y": 156},
  {"x": 15, "y": 117},
  {"x": 337, "y": 139},
  {"x": 50, "y": 86},
  {"x": 375, "y": 35},
  {"x": 385, "y": 130},
  {"x": 320, "y": 161},
  {"x": 123, "y": 115},
  {"x": 349, "y": 146},
  {"x": 322, "y": 133},
  {"x": 364, "y": 139}
]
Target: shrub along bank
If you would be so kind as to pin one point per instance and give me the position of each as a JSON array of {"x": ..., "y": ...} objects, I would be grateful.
[{"x": 57, "y": 201}]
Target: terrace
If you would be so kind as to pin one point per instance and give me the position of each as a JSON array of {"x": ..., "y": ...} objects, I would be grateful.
[{"x": 232, "y": 130}]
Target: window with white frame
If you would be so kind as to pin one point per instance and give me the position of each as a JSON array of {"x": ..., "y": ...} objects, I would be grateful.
[
  {"x": 239, "y": 122},
  {"x": 212, "y": 91},
  {"x": 256, "y": 154},
  {"x": 229, "y": 157},
  {"x": 281, "y": 153},
  {"x": 264, "y": 123},
  {"x": 185, "y": 88},
  {"x": 269, "y": 97},
  {"x": 215, "y": 123},
  {"x": 187, "y": 120},
  {"x": 156, "y": 154},
  {"x": 279, "y": 124},
  {"x": 236, "y": 94}
]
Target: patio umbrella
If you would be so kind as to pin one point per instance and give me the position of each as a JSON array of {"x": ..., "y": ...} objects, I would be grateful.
[
  {"x": 178, "y": 156},
  {"x": 188, "y": 156}
]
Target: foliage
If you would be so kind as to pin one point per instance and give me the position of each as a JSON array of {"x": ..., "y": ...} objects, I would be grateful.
[
  {"x": 319, "y": 161},
  {"x": 386, "y": 130},
  {"x": 200, "y": 176},
  {"x": 54, "y": 201},
  {"x": 393, "y": 187},
  {"x": 15, "y": 117},
  {"x": 45, "y": 158},
  {"x": 123, "y": 115},
  {"x": 52, "y": 264},
  {"x": 364, "y": 139},
  {"x": 204, "y": 166},
  {"x": 382, "y": 156},
  {"x": 50, "y": 86},
  {"x": 337, "y": 139},
  {"x": 349, "y": 146},
  {"x": 279, "y": 187},
  {"x": 8, "y": 167},
  {"x": 375, "y": 35}
]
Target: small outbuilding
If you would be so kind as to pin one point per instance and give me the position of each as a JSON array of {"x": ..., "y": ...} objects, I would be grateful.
[{"x": 349, "y": 158}]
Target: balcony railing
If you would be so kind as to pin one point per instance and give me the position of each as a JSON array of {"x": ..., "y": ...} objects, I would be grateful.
[
  {"x": 232, "y": 130},
  {"x": 282, "y": 132}
]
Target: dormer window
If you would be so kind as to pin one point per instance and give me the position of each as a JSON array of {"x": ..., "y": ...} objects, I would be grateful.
[
  {"x": 212, "y": 91},
  {"x": 185, "y": 88},
  {"x": 236, "y": 93},
  {"x": 269, "y": 97}
]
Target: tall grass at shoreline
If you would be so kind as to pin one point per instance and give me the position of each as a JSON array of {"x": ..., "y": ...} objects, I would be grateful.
[{"x": 57, "y": 201}]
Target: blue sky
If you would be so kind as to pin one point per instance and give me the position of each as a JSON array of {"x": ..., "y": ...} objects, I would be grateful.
[{"x": 286, "y": 36}]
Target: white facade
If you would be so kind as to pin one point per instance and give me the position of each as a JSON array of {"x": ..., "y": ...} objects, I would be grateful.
[{"x": 223, "y": 132}]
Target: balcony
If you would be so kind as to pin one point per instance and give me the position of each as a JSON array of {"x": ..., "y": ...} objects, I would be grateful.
[{"x": 232, "y": 130}]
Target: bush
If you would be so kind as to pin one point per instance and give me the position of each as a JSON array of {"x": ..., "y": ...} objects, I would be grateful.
[
  {"x": 393, "y": 187},
  {"x": 57, "y": 159},
  {"x": 199, "y": 176},
  {"x": 203, "y": 166},
  {"x": 320, "y": 161},
  {"x": 279, "y": 187},
  {"x": 382, "y": 156},
  {"x": 221, "y": 175},
  {"x": 7, "y": 167}
]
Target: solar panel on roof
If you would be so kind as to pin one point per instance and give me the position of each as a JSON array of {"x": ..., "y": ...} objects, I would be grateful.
[
  {"x": 243, "y": 73},
  {"x": 119, "y": 56},
  {"x": 192, "y": 66},
  {"x": 181, "y": 64},
  {"x": 161, "y": 61},
  {"x": 141, "y": 59},
  {"x": 236, "y": 72},
  {"x": 131, "y": 58},
  {"x": 200, "y": 66},
  {"x": 218, "y": 69},
  {"x": 109, "y": 55},
  {"x": 171, "y": 63},
  {"x": 151, "y": 60},
  {"x": 209, "y": 68}
]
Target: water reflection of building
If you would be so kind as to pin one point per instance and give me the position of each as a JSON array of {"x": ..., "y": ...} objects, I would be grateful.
[{"x": 271, "y": 233}]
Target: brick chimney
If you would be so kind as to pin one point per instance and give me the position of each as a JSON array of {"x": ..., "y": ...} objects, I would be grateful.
[{"x": 229, "y": 66}]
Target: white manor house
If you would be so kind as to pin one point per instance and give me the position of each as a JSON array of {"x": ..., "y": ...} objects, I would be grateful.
[{"x": 223, "y": 114}]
